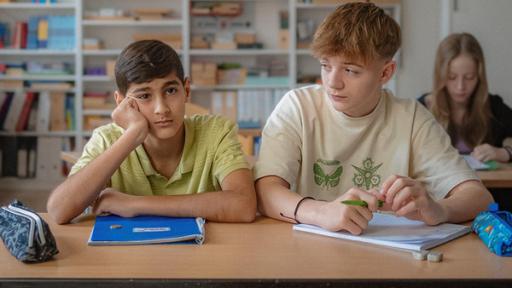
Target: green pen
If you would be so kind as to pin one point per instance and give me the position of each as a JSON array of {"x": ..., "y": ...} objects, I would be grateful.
[{"x": 360, "y": 203}]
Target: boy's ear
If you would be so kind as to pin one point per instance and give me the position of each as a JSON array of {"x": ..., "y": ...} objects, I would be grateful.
[
  {"x": 118, "y": 97},
  {"x": 186, "y": 86},
  {"x": 388, "y": 71}
]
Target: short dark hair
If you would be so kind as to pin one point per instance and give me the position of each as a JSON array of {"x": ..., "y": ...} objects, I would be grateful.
[
  {"x": 359, "y": 31},
  {"x": 145, "y": 60}
]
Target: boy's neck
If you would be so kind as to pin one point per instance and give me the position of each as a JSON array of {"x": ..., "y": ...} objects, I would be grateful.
[{"x": 167, "y": 149}]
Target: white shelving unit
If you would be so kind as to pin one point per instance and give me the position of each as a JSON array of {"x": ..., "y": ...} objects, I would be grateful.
[
  {"x": 238, "y": 52},
  {"x": 30, "y": 6},
  {"x": 263, "y": 14},
  {"x": 132, "y": 23}
]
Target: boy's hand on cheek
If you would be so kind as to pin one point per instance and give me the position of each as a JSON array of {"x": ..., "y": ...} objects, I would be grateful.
[
  {"x": 114, "y": 202},
  {"x": 409, "y": 198},
  {"x": 128, "y": 116}
]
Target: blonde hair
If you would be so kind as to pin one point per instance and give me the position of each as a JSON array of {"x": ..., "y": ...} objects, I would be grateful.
[
  {"x": 475, "y": 127},
  {"x": 359, "y": 31}
]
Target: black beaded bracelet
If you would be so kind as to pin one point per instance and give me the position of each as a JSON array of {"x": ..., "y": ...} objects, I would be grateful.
[
  {"x": 297, "y": 208},
  {"x": 509, "y": 151}
]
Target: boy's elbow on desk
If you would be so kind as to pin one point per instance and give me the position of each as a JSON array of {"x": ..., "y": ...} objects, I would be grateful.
[
  {"x": 58, "y": 211},
  {"x": 56, "y": 214},
  {"x": 242, "y": 211}
]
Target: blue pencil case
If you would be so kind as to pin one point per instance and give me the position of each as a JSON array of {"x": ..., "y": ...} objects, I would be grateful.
[{"x": 494, "y": 227}]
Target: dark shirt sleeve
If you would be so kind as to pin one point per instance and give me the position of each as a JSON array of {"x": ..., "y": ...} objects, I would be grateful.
[{"x": 501, "y": 122}]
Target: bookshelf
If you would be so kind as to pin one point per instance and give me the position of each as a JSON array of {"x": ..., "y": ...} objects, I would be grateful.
[{"x": 273, "y": 60}]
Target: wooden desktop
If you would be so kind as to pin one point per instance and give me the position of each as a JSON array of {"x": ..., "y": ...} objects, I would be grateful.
[
  {"x": 500, "y": 178},
  {"x": 261, "y": 254}
]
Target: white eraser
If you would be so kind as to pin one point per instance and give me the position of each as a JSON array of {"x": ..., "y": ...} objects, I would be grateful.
[
  {"x": 420, "y": 255},
  {"x": 434, "y": 256}
]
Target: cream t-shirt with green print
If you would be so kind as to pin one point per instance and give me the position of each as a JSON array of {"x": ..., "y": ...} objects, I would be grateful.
[
  {"x": 211, "y": 152},
  {"x": 323, "y": 153}
]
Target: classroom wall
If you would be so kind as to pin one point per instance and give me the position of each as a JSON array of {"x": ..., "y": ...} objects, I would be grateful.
[
  {"x": 420, "y": 21},
  {"x": 490, "y": 21}
]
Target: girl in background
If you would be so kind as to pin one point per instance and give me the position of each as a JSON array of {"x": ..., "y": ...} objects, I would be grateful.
[{"x": 476, "y": 120}]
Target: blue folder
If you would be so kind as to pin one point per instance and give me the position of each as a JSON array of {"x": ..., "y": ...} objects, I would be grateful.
[{"x": 116, "y": 230}]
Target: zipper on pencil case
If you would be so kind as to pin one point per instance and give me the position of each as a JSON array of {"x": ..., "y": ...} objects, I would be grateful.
[
  {"x": 32, "y": 225},
  {"x": 36, "y": 217}
]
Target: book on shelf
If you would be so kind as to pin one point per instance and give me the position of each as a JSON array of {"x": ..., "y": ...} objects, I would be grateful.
[
  {"x": 26, "y": 157},
  {"x": 116, "y": 230},
  {"x": 5, "y": 103},
  {"x": 396, "y": 232},
  {"x": 19, "y": 37},
  {"x": 14, "y": 111},
  {"x": 55, "y": 32},
  {"x": 43, "y": 112},
  {"x": 224, "y": 103},
  {"x": 25, "y": 112},
  {"x": 42, "y": 32},
  {"x": 44, "y": 1},
  {"x": 19, "y": 156},
  {"x": 32, "y": 116},
  {"x": 57, "y": 111},
  {"x": 4, "y": 35}
]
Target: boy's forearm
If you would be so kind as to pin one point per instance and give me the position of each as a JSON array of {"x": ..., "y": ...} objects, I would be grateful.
[
  {"x": 71, "y": 197},
  {"x": 275, "y": 198},
  {"x": 219, "y": 206},
  {"x": 466, "y": 201}
]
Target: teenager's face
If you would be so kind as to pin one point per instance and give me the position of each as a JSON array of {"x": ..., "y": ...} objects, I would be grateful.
[
  {"x": 462, "y": 79},
  {"x": 162, "y": 102},
  {"x": 354, "y": 88}
]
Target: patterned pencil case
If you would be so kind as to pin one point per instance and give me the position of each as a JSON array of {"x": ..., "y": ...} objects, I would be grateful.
[
  {"x": 25, "y": 234},
  {"x": 494, "y": 227}
]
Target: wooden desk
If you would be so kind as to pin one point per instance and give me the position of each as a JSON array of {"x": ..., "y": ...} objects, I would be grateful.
[
  {"x": 265, "y": 253},
  {"x": 501, "y": 178}
]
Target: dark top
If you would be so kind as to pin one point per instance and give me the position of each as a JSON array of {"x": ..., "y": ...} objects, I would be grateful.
[{"x": 501, "y": 121}]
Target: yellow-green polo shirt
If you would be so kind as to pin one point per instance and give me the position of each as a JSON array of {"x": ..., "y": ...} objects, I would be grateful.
[{"x": 211, "y": 152}]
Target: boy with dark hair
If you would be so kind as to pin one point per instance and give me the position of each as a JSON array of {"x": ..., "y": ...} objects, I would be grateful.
[
  {"x": 154, "y": 160},
  {"x": 348, "y": 139}
]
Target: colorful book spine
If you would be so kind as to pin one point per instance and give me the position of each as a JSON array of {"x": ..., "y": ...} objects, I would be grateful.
[
  {"x": 33, "y": 23},
  {"x": 21, "y": 125},
  {"x": 42, "y": 32}
]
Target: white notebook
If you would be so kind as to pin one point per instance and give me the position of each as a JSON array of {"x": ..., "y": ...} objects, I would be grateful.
[
  {"x": 396, "y": 232},
  {"x": 475, "y": 164}
]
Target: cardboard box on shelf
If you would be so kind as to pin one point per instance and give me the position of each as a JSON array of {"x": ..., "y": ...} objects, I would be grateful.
[
  {"x": 92, "y": 44},
  {"x": 151, "y": 13},
  {"x": 232, "y": 76},
  {"x": 204, "y": 73},
  {"x": 245, "y": 37},
  {"x": 224, "y": 45},
  {"x": 227, "y": 9},
  {"x": 199, "y": 42},
  {"x": 172, "y": 39}
]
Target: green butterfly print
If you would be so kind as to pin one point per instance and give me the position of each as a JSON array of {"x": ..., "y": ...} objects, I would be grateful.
[
  {"x": 366, "y": 176},
  {"x": 324, "y": 180}
]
